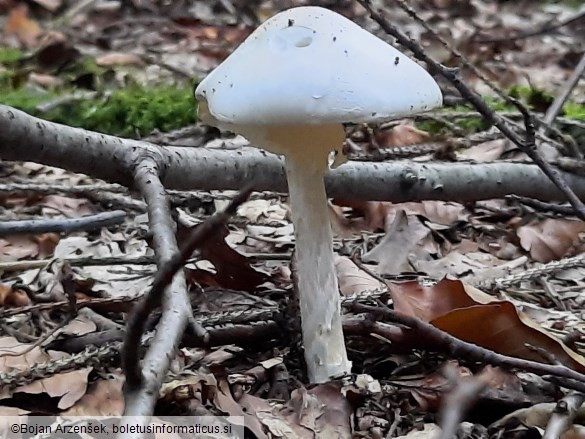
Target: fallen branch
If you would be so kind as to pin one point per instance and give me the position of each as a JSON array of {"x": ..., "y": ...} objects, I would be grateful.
[
  {"x": 142, "y": 385},
  {"x": 26, "y": 138},
  {"x": 563, "y": 415}
]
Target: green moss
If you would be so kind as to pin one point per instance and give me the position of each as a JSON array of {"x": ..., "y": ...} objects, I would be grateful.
[
  {"x": 574, "y": 111},
  {"x": 9, "y": 55},
  {"x": 535, "y": 98},
  {"x": 130, "y": 112},
  {"x": 138, "y": 111},
  {"x": 25, "y": 99}
]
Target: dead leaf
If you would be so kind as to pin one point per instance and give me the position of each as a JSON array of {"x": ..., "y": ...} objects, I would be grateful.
[
  {"x": 233, "y": 269},
  {"x": 400, "y": 135},
  {"x": 551, "y": 239},
  {"x": 44, "y": 80},
  {"x": 393, "y": 252},
  {"x": 49, "y": 5},
  {"x": 119, "y": 59},
  {"x": 352, "y": 279},
  {"x": 485, "y": 152},
  {"x": 103, "y": 398},
  {"x": 379, "y": 215},
  {"x": 70, "y": 207},
  {"x": 15, "y": 248},
  {"x": 473, "y": 316},
  {"x": 24, "y": 28},
  {"x": 68, "y": 386},
  {"x": 13, "y": 298}
]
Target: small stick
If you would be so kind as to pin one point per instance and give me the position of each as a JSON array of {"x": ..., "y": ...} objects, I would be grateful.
[{"x": 70, "y": 225}]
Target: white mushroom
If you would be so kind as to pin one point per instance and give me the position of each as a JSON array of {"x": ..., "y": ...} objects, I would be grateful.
[{"x": 289, "y": 88}]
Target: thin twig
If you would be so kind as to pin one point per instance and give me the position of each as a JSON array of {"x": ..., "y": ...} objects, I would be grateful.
[
  {"x": 68, "y": 225},
  {"x": 443, "y": 341},
  {"x": 543, "y": 30},
  {"x": 543, "y": 206},
  {"x": 566, "y": 91}
]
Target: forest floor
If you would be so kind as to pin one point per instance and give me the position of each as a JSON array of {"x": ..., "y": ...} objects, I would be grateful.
[{"x": 502, "y": 274}]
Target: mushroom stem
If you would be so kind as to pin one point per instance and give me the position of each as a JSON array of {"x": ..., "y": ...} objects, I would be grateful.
[
  {"x": 317, "y": 282},
  {"x": 306, "y": 163}
]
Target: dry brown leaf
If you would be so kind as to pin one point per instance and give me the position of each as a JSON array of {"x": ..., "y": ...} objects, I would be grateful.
[
  {"x": 428, "y": 391},
  {"x": 103, "y": 398},
  {"x": 260, "y": 410},
  {"x": 15, "y": 248},
  {"x": 47, "y": 242},
  {"x": 503, "y": 330},
  {"x": 49, "y": 5},
  {"x": 551, "y": 239},
  {"x": 24, "y": 28},
  {"x": 13, "y": 298},
  {"x": 485, "y": 152},
  {"x": 373, "y": 212},
  {"x": 457, "y": 308},
  {"x": 233, "y": 269},
  {"x": 403, "y": 134},
  {"x": 335, "y": 420},
  {"x": 392, "y": 253},
  {"x": 44, "y": 79},
  {"x": 70, "y": 207},
  {"x": 119, "y": 59},
  {"x": 80, "y": 325},
  {"x": 224, "y": 400},
  {"x": 379, "y": 215},
  {"x": 69, "y": 386},
  {"x": 353, "y": 280},
  {"x": 429, "y": 303}
]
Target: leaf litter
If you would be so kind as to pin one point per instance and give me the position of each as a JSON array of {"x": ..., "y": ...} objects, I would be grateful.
[{"x": 378, "y": 243}]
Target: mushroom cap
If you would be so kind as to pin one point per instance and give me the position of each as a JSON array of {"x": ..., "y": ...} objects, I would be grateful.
[{"x": 310, "y": 65}]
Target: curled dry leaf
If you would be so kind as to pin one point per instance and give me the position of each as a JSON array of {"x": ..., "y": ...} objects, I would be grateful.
[
  {"x": 403, "y": 134},
  {"x": 485, "y": 152},
  {"x": 393, "y": 252},
  {"x": 379, "y": 215},
  {"x": 50, "y": 5},
  {"x": 473, "y": 316},
  {"x": 352, "y": 279},
  {"x": 25, "y": 29},
  {"x": 15, "y": 248},
  {"x": 233, "y": 270},
  {"x": 119, "y": 59},
  {"x": 320, "y": 412},
  {"x": 70, "y": 207},
  {"x": 551, "y": 239},
  {"x": 10, "y": 297},
  {"x": 429, "y": 390},
  {"x": 103, "y": 398},
  {"x": 69, "y": 387}
]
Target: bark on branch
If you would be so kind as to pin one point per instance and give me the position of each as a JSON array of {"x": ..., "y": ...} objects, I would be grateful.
[{"x": 26, "y": 138}]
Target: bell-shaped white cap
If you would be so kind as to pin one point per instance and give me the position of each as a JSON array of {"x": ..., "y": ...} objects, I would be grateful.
[{"x": 310, "y": 65}]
